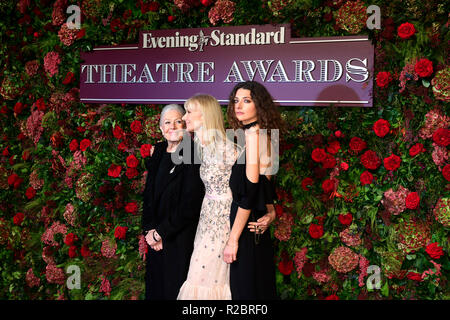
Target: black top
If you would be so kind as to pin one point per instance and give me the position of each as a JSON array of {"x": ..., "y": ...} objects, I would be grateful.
[{"x": 165, "y": 166}]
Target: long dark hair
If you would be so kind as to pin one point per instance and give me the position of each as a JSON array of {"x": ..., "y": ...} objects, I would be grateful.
[{"x": 269, "y": 116}]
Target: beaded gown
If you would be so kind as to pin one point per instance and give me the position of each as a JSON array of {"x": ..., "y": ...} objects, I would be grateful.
[{"x": 209, "y": 276}]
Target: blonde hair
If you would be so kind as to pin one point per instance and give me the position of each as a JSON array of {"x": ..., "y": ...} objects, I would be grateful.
[{"x": 213, "y": 129}]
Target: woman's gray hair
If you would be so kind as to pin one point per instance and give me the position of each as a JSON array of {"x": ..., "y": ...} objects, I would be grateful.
[{"x": 169, "y": 107}]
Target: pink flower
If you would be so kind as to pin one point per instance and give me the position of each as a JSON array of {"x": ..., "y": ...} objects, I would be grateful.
[
  {"x": 143, "y": 248},
  {"x": 54, "y": 274},
  {"x": 109, "y": 247},
  {"x": 222, "y": 10},
  {"x": 51, "y": 62},
  {"x": 363, "y": 265},
  {"x": 284, "y": 225},
  {"x": 105, "y": 286},
  {"x": 32, "y": 280},
  {"x": 66, "y": 35},
  {"x": 343, "y": 259},
  {"x": 48, "y": 237},
  {"x": 300, "y": 260},
  {"x": 395, "y": 201}
]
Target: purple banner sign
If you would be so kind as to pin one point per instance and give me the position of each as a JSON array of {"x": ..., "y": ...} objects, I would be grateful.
[{"x": 169, "y": 66}]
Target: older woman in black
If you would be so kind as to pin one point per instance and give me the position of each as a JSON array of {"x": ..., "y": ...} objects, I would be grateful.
[
  {"x": 249, "y": 248},
  {"x": 172, "y": 200}
]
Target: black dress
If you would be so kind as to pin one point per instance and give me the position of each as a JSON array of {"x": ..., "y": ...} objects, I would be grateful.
[
  {"x": 252, "y": 275},
  {"x": 173, "y": 196}
]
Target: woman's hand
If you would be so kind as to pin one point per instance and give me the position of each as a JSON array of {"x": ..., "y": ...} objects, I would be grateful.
[
  {"x": 230, "y": 251},
  {"x": 150, "y": 237},
  {"x": 157, "y": 246},
  {"x": 263, "y": 223}
]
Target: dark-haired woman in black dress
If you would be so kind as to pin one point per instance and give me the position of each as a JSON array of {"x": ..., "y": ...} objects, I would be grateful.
[{"x": 249, "y": 248}]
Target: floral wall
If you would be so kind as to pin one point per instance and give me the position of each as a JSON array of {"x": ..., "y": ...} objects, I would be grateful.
[{"x": 358, "y": 187}]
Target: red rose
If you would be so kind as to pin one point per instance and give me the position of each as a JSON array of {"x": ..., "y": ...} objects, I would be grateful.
[
  {"x": 12, "y": 178},
  {"x": 84, "y": 144},
  {"x": 414, "y": 276},
  {"x": 70, "y": 239},
  {"x": 318, "y": 155},
  {"x": 392, "y": 162},
  {"x": 73, "y": 146},
  {"x": 370, "y": 160},
  {"x": 85, "y": 251},
  {"x": 332, "y": 297},
  {"x": 286, "y": 267},
  {"x": 424, "y": 68},
  {"x": 357, "y": 144},
  {"x": 315, "y": 231},
  {"x": 328, "y": 186},
  {"x": 118, "y": 132},
  {"x": 442, "y": 137},
  {"x": 334, "y": 147},
  {"x": 416, "y": 149},
  {"x": 170, "y": 18},
  {"x": 366, "y": 178},
  {"x": 381, "y": 127},
  {"x": 131, "y": 207},
  {"x": 412, "y": 200},
  {"x": 132, "y": 161},
  {"x": 18, "y": 107},
  {"x": 40, "y": 104},
  {"x": 344, "y": 166},
  {"x": 122, "y": 147},
  {"x": 6, "y": 152},
  {"x": 383, "y": 79},
  {"x": 18, "y": 218},
  {"x": 338, "y": 134},
  {"x": 136, "y": 126},
  {"x": 120, "y": 232},
  {"x": 446, "y": 172},
  {"x": 114, "y": 170},
  {"x": 69, "y": 78},
  {"x": 131, "y": 173},
  {"x": 73, "y": 252},
  {"x": 345, "y": 219},
  {"x": 434, "y": 250},
  {"x": 328, "y": 162},
  {"x": 406, "y": 30},
  {"x": 207, "y": 3},
  {"x": 30, "y": 193},
  {"x": 146, "y": 150}
]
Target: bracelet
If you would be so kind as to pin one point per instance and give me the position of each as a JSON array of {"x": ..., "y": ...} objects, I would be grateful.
[{"x": 154, "y": 236}]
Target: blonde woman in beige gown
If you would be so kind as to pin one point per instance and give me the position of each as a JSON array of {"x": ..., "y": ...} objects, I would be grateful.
[{"x": 209, "y": 276}]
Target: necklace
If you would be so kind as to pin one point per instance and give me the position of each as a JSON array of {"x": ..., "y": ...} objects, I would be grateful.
[{"x": 249, "y": 125}]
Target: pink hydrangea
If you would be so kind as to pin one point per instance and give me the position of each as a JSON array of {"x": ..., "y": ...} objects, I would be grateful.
[
  {"x": 284, "y": 227},
  {"x": 109, "y": 247},
  {"x": 439, "y": 155},
  {"x": 58, "y": 14},
  {"x": 51, "y": 63},
  {"x": 67, "y": 35},
  {"x": 222, "y": 10},
  {"x": 35, "y": 182},
  {"x": 343, "y": 259},
  {"x": 48, "y": 237},
  {"x": 32, "y": 280},
  {"x": 143, "y": 248},
  {"x": 350, "y": 238},
  {"x": 55, "y": 274},
  {"x": 69, "y": 214},
  {"x": 32, "y": 67},
  {"x": 406, "y": 74},
  {"x": 321, "y": 276},
  {"x": 394, "y": 201},
  {"x": 105, "y": 286},
  {"x": 363, "y": 265},
  {"x": 34, "y": 127},
  {"x": 300, "y": 260}
]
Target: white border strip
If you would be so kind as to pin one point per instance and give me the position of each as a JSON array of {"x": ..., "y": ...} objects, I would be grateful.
[
  {"x": 116, "y": 48},
  {"x": 325, "y": 41},
  {"x": 182, "y": 100}
]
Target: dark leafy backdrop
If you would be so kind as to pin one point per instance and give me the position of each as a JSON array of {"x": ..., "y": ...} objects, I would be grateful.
[{"x": 357, "y": 187}]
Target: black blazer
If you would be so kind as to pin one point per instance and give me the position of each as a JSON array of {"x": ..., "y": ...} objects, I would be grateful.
[{"x": 173, "y": 209}]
